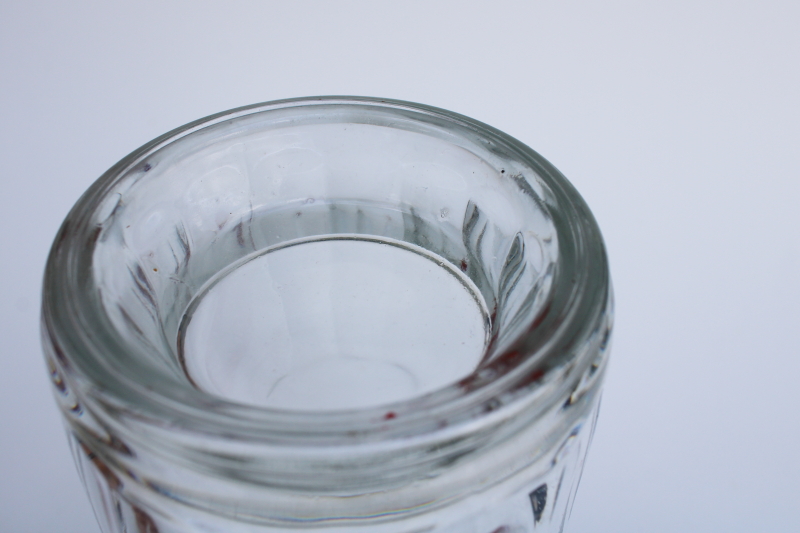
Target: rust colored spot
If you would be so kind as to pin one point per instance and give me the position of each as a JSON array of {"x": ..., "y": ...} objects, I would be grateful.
[
  {"x": 536, "y": 375},
  {"x": 116, "y": 444},
  {"x": 463, "y": 265},
  {"x": 540, "y": 317},
  {"x": 111, "y": 478},
  {"x": 240, "y": 234},
  {"x": 490, "y": 346},
  {"x": 390, "y": 415},
  {"x": 95, "y": 235},
  {"x": 144, "y": 522},
  {"x": 59, "y": 353}
]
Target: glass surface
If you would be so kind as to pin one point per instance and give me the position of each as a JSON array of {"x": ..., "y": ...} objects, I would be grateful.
[
  {"x": 338, "y": 314},
  {"x": 334, "y": 323}
]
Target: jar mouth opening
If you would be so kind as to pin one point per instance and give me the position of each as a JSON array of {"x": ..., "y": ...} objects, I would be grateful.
[{"x": 530, "y": 363}]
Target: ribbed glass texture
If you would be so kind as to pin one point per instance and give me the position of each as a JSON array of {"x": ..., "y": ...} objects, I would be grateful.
[{"x": 331, "y": 314}]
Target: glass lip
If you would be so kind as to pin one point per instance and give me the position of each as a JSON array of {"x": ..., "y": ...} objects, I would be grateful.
[{"x": 535, "y": 374}]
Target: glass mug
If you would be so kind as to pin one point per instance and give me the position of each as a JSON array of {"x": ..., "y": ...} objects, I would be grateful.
[{"x": 333, "y": 314}]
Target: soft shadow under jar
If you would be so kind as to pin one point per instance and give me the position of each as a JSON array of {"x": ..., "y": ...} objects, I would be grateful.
[{"x": 332, "y": 314}]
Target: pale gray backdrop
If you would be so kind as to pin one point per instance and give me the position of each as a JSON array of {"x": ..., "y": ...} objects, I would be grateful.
[{"x": 678, "y": 121}]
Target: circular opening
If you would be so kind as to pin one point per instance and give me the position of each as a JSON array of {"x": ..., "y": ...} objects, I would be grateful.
[
  {"x": 363, "y": 257},
  {"x": 333, "y": 324}
]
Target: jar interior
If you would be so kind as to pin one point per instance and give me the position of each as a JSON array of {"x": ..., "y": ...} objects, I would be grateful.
[{"x": 324, "y": 257}]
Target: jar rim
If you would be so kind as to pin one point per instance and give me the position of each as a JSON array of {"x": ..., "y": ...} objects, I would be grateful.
[{"x": 541, "y": 369}]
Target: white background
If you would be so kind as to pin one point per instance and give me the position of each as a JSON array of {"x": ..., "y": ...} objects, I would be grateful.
[{"x": 678, "y": 121}]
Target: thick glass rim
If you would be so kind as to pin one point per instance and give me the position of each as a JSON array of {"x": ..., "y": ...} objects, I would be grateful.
[{"x": 538, "y": 372}]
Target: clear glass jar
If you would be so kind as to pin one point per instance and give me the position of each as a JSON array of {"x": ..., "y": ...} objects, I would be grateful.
[{"x": 339, "y": 314}]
